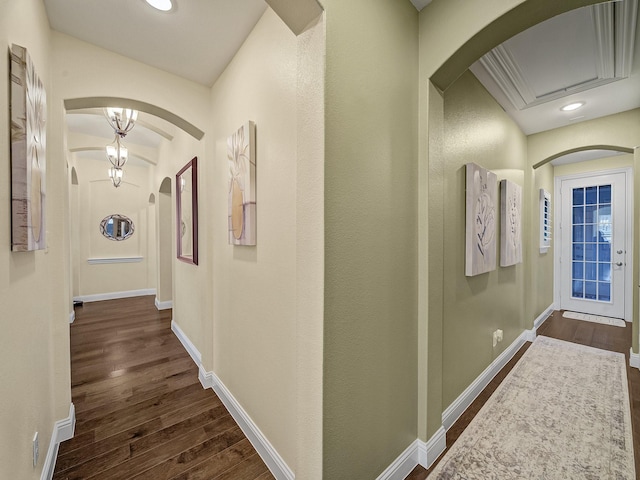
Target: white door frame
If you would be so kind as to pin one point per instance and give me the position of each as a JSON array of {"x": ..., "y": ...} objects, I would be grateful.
[{"x": 557, "y": 235}]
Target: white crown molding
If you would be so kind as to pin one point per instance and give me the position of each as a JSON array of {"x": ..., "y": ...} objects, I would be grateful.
[
  {"x": 166, "y": 305},
  {"x": 114, "y": 295},
  {"x": 626, "y": 19},
  {"x": 605, "y": 33},
  {"x": 500, "y": 65},
  {"x": 614, "y": 26},
  {"x": 460, "y": 404},
  {"x": 62, "y": 430},
  {"x": 267, "y": 452}
]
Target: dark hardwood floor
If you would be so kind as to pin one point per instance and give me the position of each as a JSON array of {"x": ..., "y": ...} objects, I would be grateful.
[
  {"x": 606, "y": 337},
  {"x": 141, "y": 412}
]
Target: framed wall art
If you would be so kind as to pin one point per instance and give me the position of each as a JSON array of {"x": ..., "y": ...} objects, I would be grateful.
[
  {"x": 187, "y": 212},
  {"x": 28, "y": 154},
  {"x": 242, "y": 185},
  {"x": 481, "y": 221},
  {"x": 510, "y": 223}
]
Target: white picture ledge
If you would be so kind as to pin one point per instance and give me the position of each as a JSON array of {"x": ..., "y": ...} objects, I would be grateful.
[{"x": 99, "y": 261}]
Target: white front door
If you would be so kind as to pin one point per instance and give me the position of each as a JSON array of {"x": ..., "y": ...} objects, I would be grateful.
[{"x": 593, "y": 243}]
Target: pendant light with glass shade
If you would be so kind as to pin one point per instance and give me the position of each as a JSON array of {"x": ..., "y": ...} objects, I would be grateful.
[{"x": 122, "y": 120}]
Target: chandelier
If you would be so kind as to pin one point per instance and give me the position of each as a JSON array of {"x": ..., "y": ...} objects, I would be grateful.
[
  {"x": 117, "y": 153},
  {"x": 122, "y": 121},
  {"x": 115, "y": 174}
]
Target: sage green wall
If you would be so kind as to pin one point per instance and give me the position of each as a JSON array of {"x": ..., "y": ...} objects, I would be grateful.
[
  {"x": 370, "y": 319},
  {"x": 619, "y": 130},
  {"x": 605, "y": 163},
  {"x": 541, "y": 290},
  {"x": 476, "y": 130}
]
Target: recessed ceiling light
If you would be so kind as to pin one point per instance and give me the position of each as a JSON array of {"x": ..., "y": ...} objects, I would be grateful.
[
  {"x": 566, "y": 108},
  {"x": 163, "y": 5}
]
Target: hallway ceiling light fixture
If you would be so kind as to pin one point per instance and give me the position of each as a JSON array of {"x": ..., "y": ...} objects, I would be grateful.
[
  {"x": 121, "y": 120},
  {"x": 162, "y": 5},
  {"x": 572, "y": 106},
  {"x": 117, "y": 153},
  {"x": 115, "y": 174}
]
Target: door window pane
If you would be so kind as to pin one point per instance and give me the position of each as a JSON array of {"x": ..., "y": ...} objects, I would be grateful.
[
  {"x": 590, "y": 271},
  {"x": 578, "y": 270},
  {"x": 578, "y": 215},
  {"x": 604, "y": 272},
  {"x": 604, "y": 194},
  {"x": 578, "y": 289},
  {"x": 591, "y": 243},
  {"x": 591, "y": 194}
]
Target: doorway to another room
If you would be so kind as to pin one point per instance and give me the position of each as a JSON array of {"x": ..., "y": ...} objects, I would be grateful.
[{"x": 593, "y": 249}]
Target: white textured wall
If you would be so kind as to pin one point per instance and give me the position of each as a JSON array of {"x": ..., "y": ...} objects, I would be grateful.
[
  {"x": 98, "y": 199},
  {"x": 254, "y": 288},
  {"x": 34, "y": 348}
]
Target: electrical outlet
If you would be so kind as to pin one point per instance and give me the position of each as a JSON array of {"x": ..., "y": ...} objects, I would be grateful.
[
  {"x": 499, "y": 335},
  {"x": 36, "y": 449}
]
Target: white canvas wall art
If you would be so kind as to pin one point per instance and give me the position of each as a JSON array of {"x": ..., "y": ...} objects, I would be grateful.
[
  {"x": 510, "y": 223},
  {"x": 28, "y": 149},
  {"x": 481, "y": 221},
  {"x": 242, "y": 186}
]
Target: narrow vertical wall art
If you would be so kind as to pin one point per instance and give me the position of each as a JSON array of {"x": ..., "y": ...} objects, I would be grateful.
[
  {"x": 510, "y": 223},
  {"x": 28, "y": 149},
  {"x": 482, "y": 186},
  {"x": 242, "y": 186}
]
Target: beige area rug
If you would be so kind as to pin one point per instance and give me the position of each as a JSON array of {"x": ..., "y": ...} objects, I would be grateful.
[
  {"x": 562, "y": 413},
  {"x": 618, "y": 322}
]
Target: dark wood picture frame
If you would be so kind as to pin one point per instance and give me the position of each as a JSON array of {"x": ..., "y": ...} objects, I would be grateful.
[{"x": 187, "y": 212}]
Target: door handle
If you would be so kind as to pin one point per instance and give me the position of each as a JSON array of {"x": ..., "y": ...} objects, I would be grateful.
[
  {"x": 619, "y": 252},
  {"x": 619, "y": 264}
]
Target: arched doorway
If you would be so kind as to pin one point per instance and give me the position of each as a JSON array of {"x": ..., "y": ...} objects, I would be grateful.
[{"x": 164, "y": 291}]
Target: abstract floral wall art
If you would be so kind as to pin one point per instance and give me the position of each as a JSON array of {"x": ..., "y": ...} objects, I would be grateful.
[
  {"x": 510, "y": 223},
  {"x": 242, "y": 186},
  {"x": 481, "y": 221},
  {"x": 28, "y": 149}
]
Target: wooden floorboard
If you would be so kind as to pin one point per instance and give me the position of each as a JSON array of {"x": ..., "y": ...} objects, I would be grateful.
[
  {"x": 140, "y": 410},
  {"x": 606, "y": 337}
]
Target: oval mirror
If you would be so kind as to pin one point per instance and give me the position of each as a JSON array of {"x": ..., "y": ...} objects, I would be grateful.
[{"x": 116, "y": 227}]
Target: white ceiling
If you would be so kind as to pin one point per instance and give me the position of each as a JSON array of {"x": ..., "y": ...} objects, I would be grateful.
[
  {"x": 217, "y": 28},
  {"x": 575, "y": 56},
  {"x": 590, "y": 54}
]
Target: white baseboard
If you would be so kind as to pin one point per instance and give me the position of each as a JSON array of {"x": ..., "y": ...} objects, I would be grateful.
[
  {"x": 113, "y": 295},
  {"x": 72, "y": 317},
  {"x": 460, "y": 404},
  {"x": 188, "y": 345},
  {"x": 434, "y": 447},
  {"x": 543, "y": 316},
  {"x": 62, "y": 430},
  {"x": 267, "y": 452},
  {"x": 634, "y": 359},
  {"x": 533, "y": 333},
  {"x": 164, "y": 305},
  {"x": 418, "y": 453},
  {"x": 270, "y": 456},
  {"x": 402, "y": 465}
]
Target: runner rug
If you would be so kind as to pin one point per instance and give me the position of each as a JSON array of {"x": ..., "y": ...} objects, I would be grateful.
[
  {"x": 562, "y": 413},
  {"x": 618, "y": 322}
]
